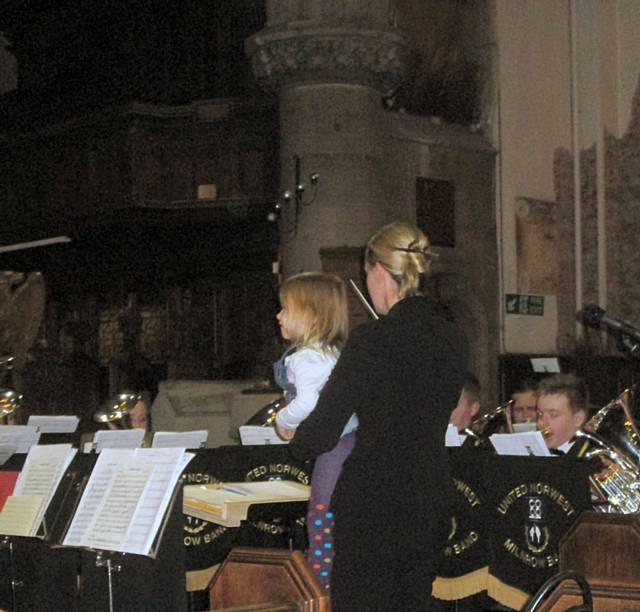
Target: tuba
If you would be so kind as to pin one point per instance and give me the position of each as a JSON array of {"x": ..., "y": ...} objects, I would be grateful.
[
  {"x": 613, "y": 435},
  {"x": 487, "y": 424}
]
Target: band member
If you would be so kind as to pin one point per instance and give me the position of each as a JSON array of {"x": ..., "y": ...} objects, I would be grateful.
[
  {"x": 468, "y": 404},
  {"x": 400, "y": 374},
  {"x": 562, "y": 409},
  {"x": 525, "y": 398},
  {"x": 314, "y": 317}
]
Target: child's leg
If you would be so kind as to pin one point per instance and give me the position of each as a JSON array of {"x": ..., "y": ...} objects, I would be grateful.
[{"x": 325, "y": 474}]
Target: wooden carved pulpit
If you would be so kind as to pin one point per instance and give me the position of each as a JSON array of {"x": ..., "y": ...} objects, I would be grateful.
[{"x": 605, "y": 548}]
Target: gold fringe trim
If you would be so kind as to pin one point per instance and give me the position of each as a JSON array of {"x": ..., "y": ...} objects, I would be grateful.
[
  {"x": 461, "y": 586},
  {"x": 505, "y": 594},
  {"x": 198, "y": 580}
]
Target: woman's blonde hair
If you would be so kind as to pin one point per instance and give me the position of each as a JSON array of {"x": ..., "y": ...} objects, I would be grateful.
[
  {"x": 317, "y": 303},
  {"x": 404, "y": 251}
]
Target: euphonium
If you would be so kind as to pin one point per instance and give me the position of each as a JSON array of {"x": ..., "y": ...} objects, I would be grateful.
[
  {"x": 489, "y": 423},
  {"x": 612, "y": 434}
]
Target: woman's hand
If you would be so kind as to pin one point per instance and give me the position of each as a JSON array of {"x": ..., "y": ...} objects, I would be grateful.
[{"x": 285, "y": 434}]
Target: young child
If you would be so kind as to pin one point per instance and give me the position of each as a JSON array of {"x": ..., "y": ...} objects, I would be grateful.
[{"x": 314, "y": 319}]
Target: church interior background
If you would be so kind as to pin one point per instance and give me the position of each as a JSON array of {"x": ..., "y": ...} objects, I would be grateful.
[{"x": 189, "y": 156}]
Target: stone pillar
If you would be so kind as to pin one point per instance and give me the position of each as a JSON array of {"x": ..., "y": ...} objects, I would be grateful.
[{"x": 330, "y": 61}]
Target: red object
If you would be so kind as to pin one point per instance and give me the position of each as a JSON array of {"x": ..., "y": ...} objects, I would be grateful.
[{"x": 7, "y": 484}]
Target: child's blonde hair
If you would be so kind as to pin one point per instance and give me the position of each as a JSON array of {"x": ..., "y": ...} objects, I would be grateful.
[
  {"x": 317, "y": 304},
  {"x": 404, "y": 251}
]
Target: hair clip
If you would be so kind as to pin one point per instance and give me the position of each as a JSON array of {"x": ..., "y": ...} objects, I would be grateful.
[{"x": 427, "y": 252}]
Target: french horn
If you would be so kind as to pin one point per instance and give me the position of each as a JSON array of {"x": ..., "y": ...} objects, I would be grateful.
[{"x": 613, "y": 435}]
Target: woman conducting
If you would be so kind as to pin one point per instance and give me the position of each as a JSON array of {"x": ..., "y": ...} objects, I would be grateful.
[{"x": 400, "y": 375}]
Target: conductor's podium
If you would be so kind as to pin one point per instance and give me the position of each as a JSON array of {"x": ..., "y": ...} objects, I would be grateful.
[
  {"x": 605, "y": 549},
  {"x": 267, "y": 580}
]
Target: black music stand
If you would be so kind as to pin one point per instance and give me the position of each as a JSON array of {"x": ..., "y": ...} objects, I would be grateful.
[
  {"x": 35, "y": 576},
  {"x": 129, "y": 583}
]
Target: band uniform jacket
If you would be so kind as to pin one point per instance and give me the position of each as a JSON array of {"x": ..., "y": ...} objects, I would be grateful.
[{"x": 402, "y": 376}]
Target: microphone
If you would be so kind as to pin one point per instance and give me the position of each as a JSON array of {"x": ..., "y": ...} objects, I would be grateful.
[{"x": 595, "y": 316}]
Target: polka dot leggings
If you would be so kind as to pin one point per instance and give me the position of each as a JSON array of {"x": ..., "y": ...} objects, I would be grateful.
[{"x": 326, "y": 470}]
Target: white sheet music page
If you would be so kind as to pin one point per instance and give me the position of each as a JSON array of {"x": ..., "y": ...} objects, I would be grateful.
[
  {"x": 259, "y": 435},
  {"x": 54, "y": 424},
  {"x": 524, "y": 443},
  {"x": 121, "y": 438},
  {"x": 43, "y": 469},
  {"x": 112, "y": 522},
  {"x": 169, "y": 464},
  {"x": 23, "y": 437},
  {"x": 93, "y": 498},
  {"x": 140, "y": 502},
  {"x": 180, "y": 439}
]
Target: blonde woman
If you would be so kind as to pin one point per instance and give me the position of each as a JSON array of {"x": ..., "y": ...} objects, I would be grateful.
[
  {"x": 400, "y": 375},
  {"x": 314, "y": 319}
]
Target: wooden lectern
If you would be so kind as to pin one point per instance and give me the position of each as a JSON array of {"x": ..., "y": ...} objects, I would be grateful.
[
  {"x": 605, "y": 548},
  {"x": 267, "y": 579}
]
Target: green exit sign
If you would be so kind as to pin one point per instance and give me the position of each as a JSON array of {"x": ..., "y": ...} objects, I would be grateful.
[{"x": 517, "y": 303}]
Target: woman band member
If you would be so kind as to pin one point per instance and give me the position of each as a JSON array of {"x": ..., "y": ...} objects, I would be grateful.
[{"x": 400, "y": 375}]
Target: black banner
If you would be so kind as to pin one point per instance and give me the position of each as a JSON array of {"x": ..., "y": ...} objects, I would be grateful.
[
  {"x": 267, "y": 525},
  {"x": 510, "y": 514}
]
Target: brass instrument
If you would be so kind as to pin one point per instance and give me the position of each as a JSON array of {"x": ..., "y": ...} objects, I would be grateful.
[
  {"x": 612, "y": 434},
  {"x": 266, "y": 416},
  {"x": 10, "y": 400},
  {"x": 485, "y": 425},
  {"x": 116, "y": 410}
]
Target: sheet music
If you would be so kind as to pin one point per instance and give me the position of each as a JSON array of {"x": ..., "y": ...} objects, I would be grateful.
[
  {"x": 109, "y": 461},
  {"x": 528, "y": 426},
  {"x": 259, "y": 435},
  {"x": 54, "y": 424},
  {"x": 452, "y": 437},
  {"x": 19, "y": 516},
  {"x": 122, "y": 438},
  {"x": 43, "y": 470},
  {"x": 525, "y": 443},
  {"x": 111, "y": 524},
  {"x": 168, "y": 463},
  {"x": 180, "y": 439},
  {"x": 141, "y": 502},
  {"x": 23, "y": 437}
]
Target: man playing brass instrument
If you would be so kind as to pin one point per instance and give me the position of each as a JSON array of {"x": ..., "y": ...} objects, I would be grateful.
[{"x": 562, "y": 409}]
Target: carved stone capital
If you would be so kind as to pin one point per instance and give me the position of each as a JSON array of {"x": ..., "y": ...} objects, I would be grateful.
[{"x": 375, "y": 58}]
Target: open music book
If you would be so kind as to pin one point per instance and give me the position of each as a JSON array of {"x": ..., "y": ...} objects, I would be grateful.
[
  {"x": 125, "y": 499},
  {"x": 227, "y": 503}
]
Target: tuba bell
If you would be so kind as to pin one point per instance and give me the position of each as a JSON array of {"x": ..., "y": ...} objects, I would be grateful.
[{"x": 613, "y": 435}]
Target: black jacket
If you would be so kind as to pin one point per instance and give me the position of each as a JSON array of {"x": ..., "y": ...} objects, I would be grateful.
[{"x": 402, "y": 375}]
